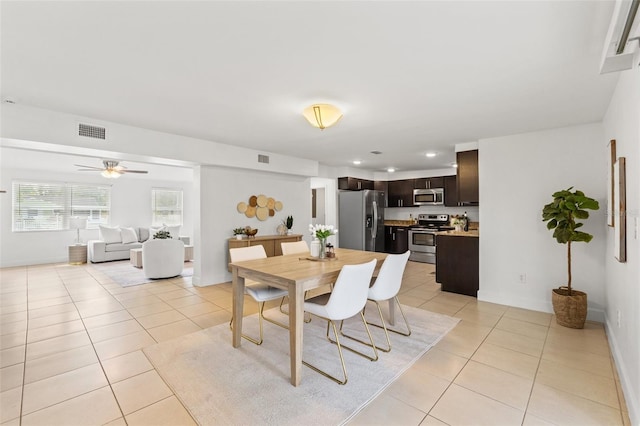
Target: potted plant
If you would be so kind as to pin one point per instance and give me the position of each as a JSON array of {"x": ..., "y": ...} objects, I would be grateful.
[
  {"x": 162, "y": 235},
  {"x": 288, "y": 222},
  {"x": 561, "y": 215},
  {"x": 238, "y": 232}
]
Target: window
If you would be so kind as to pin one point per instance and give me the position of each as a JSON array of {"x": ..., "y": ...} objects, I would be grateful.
[
  {"x": 48, "y": 206},
  {"x": 166, "y": 207}
]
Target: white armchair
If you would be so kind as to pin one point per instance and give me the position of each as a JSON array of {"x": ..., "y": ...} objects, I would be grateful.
[{"x": 162, "y": 258}]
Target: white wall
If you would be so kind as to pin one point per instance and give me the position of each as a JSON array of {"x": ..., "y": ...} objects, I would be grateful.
[
  {"x": 130, "y": 206},
  {"x": 622, "y": 123},
  {"x": 220, "y": 190},
  {"x": 518, "y": 174}
]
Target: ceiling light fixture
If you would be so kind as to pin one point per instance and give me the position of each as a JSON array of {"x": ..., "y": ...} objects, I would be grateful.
[
  {"x": 454, "y": 165},
  {"x": 322, "y": 115},
  {"x": 111, "y": 174},
  {"x": 431, "y": 154},
  {"x": 357, "y": 162},
  {"x": 391, "y": 170}
]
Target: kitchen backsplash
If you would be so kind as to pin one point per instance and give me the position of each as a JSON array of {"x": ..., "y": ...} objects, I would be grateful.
[{"x": 402, "y": 213}]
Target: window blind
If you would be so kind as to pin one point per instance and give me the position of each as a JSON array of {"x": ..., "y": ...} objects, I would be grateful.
[
  {"x": 48, "y": 206},
  {"x": 166, "y": 206}
]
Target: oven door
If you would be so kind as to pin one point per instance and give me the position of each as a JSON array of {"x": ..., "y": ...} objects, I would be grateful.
[{"x": 422, "y": 244}]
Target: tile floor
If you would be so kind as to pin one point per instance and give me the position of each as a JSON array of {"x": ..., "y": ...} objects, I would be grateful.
[{"x": 71, "y": 340}]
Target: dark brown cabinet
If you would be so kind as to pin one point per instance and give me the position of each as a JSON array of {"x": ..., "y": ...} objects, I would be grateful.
[
  {"x": 396, "y": 239},
  {"x": 429, "y": 183},
  {"x": 457, "y": 264},
  {"x": 354, "y": 184},
  {"x": 468, "y": 193},
  {"x": 451, "y": 191},
  {"x": 400, "y": 193}
]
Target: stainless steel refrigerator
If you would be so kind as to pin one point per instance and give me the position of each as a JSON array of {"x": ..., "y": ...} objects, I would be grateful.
[{"x": 361, "y": 220}]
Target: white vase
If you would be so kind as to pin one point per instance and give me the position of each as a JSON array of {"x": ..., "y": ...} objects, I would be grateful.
[
  {"x": 315, "y": 248},
  {"x": 238, "y": 236}
]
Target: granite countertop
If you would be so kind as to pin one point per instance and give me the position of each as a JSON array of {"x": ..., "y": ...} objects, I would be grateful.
[
  {"x": 399, "y": 223},
  {"x": 470, "y": 233}
]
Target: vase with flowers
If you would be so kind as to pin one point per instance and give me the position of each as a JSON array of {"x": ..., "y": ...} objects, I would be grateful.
[{"x": 322, "y": 232}]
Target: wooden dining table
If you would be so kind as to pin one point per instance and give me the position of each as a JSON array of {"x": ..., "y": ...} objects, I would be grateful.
[{"x": 296, "y": 274}]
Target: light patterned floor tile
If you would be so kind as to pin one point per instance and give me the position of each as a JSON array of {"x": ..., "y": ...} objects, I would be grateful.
[
  {"x": 58, "y": 363},
  {"x": 441, "y": 364},
  {"x": 122, "y": 345},
  {"x": 140, "y": 391},
  {"x": 387, "y": 410},
  {"x": 508, "y": 360},
  {"x": 125, "y": 366},
  {"x": 11, "y": 377},
  {"x": 175, "y": 329},
  {"x": 10, "y": 404},
  {"x": 418, "y": 389}
]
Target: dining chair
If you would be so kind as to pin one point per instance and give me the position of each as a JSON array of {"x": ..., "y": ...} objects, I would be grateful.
[
  {"x": 347, "y": 299},
  {"x": 386, "y": 287},
  {"x": 261, "y": 293},
  {"x": 294, "y": 247}
]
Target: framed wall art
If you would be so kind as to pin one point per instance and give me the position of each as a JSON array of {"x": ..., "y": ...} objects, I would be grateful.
[
  {"x": 620, "y": 209},
  {"x": 611, "y": 210}
]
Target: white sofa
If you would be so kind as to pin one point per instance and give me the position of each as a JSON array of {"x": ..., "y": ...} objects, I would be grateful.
[{"x": 115, "y": 242}]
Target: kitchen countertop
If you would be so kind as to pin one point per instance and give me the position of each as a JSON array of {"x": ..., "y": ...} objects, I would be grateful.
[
  {"x": 470, "y": 233},
  {"x": 399, "y": 223}
]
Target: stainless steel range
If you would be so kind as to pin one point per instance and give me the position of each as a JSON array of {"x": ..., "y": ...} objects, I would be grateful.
[{"x": 422, "y": 237}]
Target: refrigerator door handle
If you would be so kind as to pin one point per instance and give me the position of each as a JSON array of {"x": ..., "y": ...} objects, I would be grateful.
[{"x": 374, "y": 228}]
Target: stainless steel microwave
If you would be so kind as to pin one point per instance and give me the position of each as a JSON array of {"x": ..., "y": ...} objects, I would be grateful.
[{"x": 428, "y": 197}]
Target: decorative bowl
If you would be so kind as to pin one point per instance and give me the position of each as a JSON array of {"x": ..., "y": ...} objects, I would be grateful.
[{"x": 251, "y": 232}]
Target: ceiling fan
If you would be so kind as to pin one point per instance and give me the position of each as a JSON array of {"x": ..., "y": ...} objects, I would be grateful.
[{"x": 110, "y": 170}]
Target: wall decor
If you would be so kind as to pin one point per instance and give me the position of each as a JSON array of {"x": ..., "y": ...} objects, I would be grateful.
[
  {"x": 259, "y": 206},
  {"x": 620, "y": 210},
  {"x": 611, "y": 211}
]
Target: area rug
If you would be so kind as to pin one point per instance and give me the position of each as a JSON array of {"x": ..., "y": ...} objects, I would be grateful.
[
  {"x": 127, "y": 275},
  {"x": 250, "y": 385}
]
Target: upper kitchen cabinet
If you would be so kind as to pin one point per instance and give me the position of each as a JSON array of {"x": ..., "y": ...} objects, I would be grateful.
[
  {"x": 429, "y": 183},
  {"x": 468, "y": 177},
  {"x": 354, "y": 184},
  {"x": 400, "y": 193},
  {"x": 451, "y": 191}
]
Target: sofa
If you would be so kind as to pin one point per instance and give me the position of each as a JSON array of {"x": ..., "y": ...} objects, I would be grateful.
[{"x": 115, "y": 243}]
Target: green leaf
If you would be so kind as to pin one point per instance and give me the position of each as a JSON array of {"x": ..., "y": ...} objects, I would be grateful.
[
  {"x": 552, "y": 224},
  {"x": 581, "y": 214},
  {"x": 582, "y": 236},
  {"x": 590, "y": 204}
]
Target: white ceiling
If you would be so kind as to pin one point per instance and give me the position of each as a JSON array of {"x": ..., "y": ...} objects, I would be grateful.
[{"x": 411, "y": 77}]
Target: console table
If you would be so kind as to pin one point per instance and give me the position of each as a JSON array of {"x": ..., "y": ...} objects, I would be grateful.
[{"x": 271, "y": 243}]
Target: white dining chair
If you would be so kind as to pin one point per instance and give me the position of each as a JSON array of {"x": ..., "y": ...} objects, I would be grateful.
[
  {"x": 296, "y": 247},
  {"x": 261, "y": 293},
  {"x": 386, "y": 287},
  {"x": 347, "y": 299}
]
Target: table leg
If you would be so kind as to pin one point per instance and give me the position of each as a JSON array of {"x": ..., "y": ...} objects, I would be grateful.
[
  {"x": 392, "y": 311},
  {"x": 237, "y": 286},
  {"x": 296, "y": 324}
]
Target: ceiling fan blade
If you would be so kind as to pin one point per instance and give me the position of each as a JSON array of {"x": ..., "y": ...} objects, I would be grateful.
[
  {"x": 88, "y": 167},
  {"x": 89, "y": 170},
  {"x": 132, "y": 171}
]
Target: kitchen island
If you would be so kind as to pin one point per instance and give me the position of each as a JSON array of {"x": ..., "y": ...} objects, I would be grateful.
[{"x": 457, "y": 261}]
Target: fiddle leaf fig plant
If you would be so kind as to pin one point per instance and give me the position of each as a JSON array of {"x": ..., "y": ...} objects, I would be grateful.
[{"x": 562, "y": 214}]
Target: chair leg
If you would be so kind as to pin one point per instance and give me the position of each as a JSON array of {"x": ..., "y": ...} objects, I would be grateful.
[
  {"x": 355, "y": 351},
  {"x": 344, "y": 368},
  {"x": 404, "y": 333},
  {"x": 388, "y": 348},
  {"x": 249, "y": 338},
  {"x": 307, "y": 320}
]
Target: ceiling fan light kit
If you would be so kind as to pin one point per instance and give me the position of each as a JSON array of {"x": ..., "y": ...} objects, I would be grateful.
[
  {"x": 111, "y": 169},
  {"x": 322, "y": 115}
]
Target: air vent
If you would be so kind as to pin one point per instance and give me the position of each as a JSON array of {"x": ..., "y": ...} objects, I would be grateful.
[
  {"x": 263, "y": 159},
  {"x": 90, "y": 131},
  {"x": 376, "y": 152}
]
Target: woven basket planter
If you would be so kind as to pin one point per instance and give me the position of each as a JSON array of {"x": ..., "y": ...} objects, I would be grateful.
[{"x": 571, "y": 311}]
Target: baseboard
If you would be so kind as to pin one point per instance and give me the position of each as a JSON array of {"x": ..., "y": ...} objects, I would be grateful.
[
  {"x": 631, "y": 399},
  {"x": 534, "y": 305},
  {"x": 32, "y": 262}
]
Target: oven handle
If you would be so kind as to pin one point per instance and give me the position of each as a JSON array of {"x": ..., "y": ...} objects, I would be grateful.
[{"x": 374, "y": 230}]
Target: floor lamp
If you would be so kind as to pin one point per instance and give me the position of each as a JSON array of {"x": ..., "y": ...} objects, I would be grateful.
[{"x": 78, "y": 223}]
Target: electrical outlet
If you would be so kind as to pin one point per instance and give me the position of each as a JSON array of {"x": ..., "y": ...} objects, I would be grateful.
[
  {"x": 523, "y": 278},
  {"x": 619, "y": 319}
]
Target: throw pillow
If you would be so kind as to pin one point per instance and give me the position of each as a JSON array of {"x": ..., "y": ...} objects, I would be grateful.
[
  {"x": 174, "y": 231},
  {"x": 153, "y": 230},
  {"x": 110, "y": 235},
  {"x": 128, "y": 235}
]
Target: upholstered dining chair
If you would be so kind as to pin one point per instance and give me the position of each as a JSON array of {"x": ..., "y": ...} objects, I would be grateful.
[
  {"x": 347, "y": 299},
  {"x": 261, "y": 293},
  {"x": 386, "y": 287},
  {"x": 296, "y": 247}
]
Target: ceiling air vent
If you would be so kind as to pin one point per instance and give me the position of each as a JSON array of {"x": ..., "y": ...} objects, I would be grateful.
[
  {"x": 263, "y": 159},
  {"x": 90, "y": 131}
]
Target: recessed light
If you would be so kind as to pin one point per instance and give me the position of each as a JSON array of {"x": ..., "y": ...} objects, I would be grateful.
[
  {"x": 431, "y": 154},
  {"x": 454, "y": 165},
  {"x": 357, "y": 162},
  {"x": 391, "y": 170}
]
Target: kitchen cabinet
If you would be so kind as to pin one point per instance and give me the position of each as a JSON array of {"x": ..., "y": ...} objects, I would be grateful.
[
  {"x": 354, "y": 184},
  {"x": 382, "y": 185},
  {"x": 400, "y": 193},
  {"x": 396, "y": 239},
  {"x": 451, "y": 191},
  {"x": 429, "y": 183},
  {"x": 468, "y": 193},
  {"x": 457, "y": 264}
]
